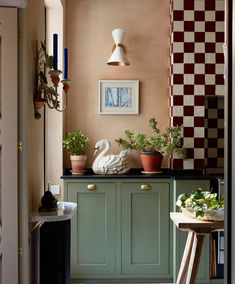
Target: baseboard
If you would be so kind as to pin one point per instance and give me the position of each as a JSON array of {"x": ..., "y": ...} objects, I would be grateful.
[{"x": 216, "y": 281}]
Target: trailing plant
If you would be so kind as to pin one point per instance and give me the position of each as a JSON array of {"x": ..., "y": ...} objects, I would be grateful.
[
  {"x": 200, "y": 201},
  {"x": 168, "y": 142},
  {"x": 44, "y": 62},
  {"x": 75, "y": 143}
]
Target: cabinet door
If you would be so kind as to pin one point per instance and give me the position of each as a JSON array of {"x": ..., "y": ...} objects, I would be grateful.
[
  {"x": 93, "y": 228},
  {"x": 182, "y": 186},
  {"x": 145, "y": 228}
]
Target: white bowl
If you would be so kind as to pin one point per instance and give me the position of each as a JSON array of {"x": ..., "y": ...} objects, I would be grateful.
[{"x": 209, "y": 215}]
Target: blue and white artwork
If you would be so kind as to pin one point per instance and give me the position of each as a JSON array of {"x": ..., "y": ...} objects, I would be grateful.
[{"x": 118, "y": 97}]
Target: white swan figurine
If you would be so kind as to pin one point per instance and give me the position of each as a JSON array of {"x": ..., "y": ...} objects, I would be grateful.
[{"x": 109, "y": 164}]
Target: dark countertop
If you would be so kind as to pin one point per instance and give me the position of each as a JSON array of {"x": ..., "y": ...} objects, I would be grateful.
[{"x": 137, "y": 173}]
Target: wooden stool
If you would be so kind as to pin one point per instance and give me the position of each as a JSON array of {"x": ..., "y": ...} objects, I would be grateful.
[{"x": 197, "y": 229}]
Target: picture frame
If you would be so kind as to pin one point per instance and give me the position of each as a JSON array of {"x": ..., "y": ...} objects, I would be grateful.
[{"x": 119, "y": 97}]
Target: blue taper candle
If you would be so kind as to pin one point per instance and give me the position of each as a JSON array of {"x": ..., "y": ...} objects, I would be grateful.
[
  {"x": 55, "y": 51},
  {"x": 65, "y": 63}
]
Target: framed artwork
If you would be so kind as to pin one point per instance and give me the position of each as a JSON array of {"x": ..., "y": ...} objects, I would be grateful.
[{"x": 119, "y": 96}]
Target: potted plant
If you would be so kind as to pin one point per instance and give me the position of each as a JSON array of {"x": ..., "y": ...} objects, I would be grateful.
[
  {"x": 75, "y": 143},
  {"x": 201, "y": 204},
  {"x": 154, "y": 147}
]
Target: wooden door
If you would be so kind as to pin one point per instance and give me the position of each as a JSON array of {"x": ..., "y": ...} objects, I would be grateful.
[{"x": 8, "y": 147}]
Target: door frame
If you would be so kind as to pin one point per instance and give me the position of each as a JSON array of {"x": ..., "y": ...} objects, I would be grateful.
[
  {"x": 9, "y": 136},
  {"x": 229, "y": 272}
]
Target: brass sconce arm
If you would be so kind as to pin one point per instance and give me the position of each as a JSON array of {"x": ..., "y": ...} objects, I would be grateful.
[{"x": 46, "y": 93}]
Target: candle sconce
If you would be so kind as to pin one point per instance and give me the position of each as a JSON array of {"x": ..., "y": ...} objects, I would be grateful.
[{"x": 46, "y": 93}]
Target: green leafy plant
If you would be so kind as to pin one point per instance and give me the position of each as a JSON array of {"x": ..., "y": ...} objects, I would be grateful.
[
  {"x": 75, "y": 143},
  {"x": 169, "y": 142},
  {"x": 200, "y": 201},
  {"x": 44, "y": 62}
]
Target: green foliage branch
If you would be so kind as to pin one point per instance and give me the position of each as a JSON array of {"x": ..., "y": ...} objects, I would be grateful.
[
  {"x": 75, "y": 143},
  {"x": 44, "y": 63},
  {"x": 200, "y": 201},
  {"x": 167, "y": 143}
]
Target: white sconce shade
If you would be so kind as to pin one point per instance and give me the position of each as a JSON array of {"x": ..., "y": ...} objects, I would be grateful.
[
  {"x": 118, "y": 57},
  {"x": 118, "y": 35}
]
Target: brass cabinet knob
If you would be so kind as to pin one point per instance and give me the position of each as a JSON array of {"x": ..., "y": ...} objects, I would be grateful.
[
  {"x": 91, "y": 186},
  {"x": 145, "y": 187}
]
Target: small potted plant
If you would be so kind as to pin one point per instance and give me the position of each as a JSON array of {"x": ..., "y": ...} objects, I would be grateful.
[
  {"x": 75, "y": 143},
  {"x": 154, "y": 147},
  {"x": 201, "y": 204}
]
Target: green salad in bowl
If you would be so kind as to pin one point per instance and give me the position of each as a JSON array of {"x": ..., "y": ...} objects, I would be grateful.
[{"x": 202, "y": 204}]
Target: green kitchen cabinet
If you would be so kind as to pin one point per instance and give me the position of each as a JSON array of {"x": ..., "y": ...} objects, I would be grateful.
[
  {"x": 121, "y": 230},
  {"x": 92, "y": 228},
  {"x": 146, "y": 228},
  {"x": 181, "y": 186}
]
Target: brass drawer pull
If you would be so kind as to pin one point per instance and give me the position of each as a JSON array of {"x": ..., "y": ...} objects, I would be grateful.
[
  {"x": 91, "y": 187},
  {"x": 145, "y": 187}
]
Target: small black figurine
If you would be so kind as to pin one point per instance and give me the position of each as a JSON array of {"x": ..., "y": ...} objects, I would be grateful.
[{"x": 48, "y": 202}]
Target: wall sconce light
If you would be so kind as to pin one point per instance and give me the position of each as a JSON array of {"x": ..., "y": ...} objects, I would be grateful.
[
  {"x": 46, "y": 93},
  {"x": 118, "y": 57}
]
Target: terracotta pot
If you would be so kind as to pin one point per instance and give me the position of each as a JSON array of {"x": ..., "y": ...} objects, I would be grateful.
[
  {"x": 151, "y": 161},
  {"x": 39, "y": 103},
  {"x": 78, "y": 164}
]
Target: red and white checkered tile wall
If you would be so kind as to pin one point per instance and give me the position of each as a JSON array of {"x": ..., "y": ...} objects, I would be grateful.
[
  {"x": 197, "y": 67},
  {"x": 214, "y": 132}
]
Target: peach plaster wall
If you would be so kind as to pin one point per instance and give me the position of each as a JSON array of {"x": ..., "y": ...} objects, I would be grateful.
[
  {"x": 89, "y": 39},
  {"x": 34, "y": 23}
]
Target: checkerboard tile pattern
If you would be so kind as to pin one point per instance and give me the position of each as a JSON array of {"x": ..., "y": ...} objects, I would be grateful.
[
  {"x": 214, "y": 132},
  {"x": 197, "y": 67}
]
